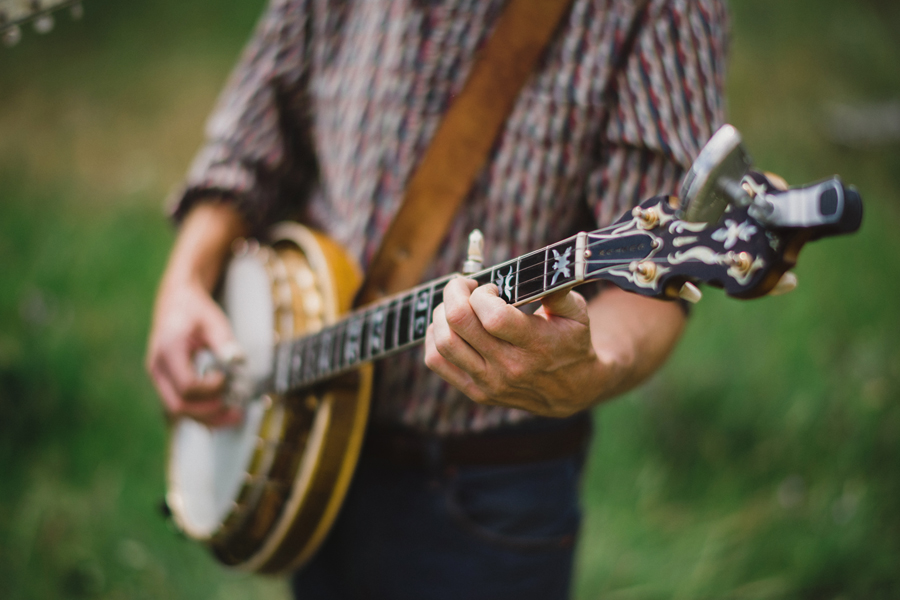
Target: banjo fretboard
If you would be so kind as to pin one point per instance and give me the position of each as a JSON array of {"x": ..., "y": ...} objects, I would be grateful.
[{"x": 400, "y": 322}]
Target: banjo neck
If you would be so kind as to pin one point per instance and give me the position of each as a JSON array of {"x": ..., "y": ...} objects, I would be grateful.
[
  {"x": 650, "y": 251},
  {"x": 399, "y": 322}
]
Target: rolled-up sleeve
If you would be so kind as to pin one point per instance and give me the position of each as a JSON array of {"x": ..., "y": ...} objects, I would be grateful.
[
  {"x": 670, "y": 100},
  {"x": 256, "y": 153}
]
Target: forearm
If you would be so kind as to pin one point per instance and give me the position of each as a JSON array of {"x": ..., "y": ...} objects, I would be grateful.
[
  {"x": 632, "y": 336},
  {"x": 186, "y": 319},
  {"x": 203, "y": 244}
]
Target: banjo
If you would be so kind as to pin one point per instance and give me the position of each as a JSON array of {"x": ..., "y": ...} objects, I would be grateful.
[{"x": 263, "y": 494}]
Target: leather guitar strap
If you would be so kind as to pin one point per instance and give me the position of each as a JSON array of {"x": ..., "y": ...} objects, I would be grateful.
[{"x": 463, "y": 141}]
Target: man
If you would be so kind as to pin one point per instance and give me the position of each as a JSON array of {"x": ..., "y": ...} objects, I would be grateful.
[{"x": 325, "y": 118}]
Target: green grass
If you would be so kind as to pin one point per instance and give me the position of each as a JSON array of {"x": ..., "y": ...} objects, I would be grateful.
[{"x": 763, "y": 462}]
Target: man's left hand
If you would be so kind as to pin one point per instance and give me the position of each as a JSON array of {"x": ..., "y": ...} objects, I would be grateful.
[{"x": 496, "y": 354}]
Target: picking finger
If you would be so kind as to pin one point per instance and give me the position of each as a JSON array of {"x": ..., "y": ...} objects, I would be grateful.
[
  {"x": 192, "y": 404},
  {"x": 177, "y": 406},
  {"x": 179, "y": 364}
]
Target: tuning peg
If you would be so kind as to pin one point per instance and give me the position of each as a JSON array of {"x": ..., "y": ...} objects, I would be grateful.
[
  {"x": 787, "y": 283},
  {"x": 475, "y": 255},
  {"x": 714, "y": 180},
  {"x": 690, "y": 293},
  {"x": 778, "y": 182}
]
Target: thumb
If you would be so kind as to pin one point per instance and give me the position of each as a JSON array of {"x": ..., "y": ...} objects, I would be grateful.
[{"x": 565, "y": 304}]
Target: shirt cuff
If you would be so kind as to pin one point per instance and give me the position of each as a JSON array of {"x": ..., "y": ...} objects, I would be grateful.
[{"x": 227, "y": 183}]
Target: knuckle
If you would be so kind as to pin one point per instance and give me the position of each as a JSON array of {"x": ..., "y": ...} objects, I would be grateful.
[
  {"x": 480, "y": 374},
  {"x": 457, "y": 314},
  {"x": 432, "y": 359},
  {"x": 443, "y": 341},
  {"x": 489, "y": 290},
  {"x": 492, "y": 387},
  {"x": 579, "y": 300},
  {"x": 516, "y": 370},
  {"x": 494, "y": 321},
  {"x": 476, "y": 394}
]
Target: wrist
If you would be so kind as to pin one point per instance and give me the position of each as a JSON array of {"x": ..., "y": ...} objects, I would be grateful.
[
  {"x": 192, "y": 272},
  {"x": 203, "y": 245}
]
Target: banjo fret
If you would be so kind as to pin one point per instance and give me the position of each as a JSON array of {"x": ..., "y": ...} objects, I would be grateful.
[
  {"x": 323, "y": 363},
  {"x": 296, "y": 366},
  {"x": 390, "y": 326},
  {"x": 309, "y": 358},
  {"x": 339, "y": 331},
  {"x": 403, "y": 320},
  {"x": 375, "y": 341}
]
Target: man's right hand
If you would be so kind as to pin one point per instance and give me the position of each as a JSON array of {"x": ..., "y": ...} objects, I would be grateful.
[{"x": 187, "y": 320}]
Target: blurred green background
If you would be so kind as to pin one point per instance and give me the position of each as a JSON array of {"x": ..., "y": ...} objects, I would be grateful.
[{"x": 763, "y": 462}]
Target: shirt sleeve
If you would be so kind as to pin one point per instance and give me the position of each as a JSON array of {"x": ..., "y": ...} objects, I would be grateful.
[
  {"x": 669, "y": 102},
  {"x": 257, "y": 152}
]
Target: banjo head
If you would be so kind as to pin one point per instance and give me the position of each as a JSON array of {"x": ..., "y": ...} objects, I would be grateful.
[
  {"x": 208, "y": 470},
  {"x": 208, "y": 466}
]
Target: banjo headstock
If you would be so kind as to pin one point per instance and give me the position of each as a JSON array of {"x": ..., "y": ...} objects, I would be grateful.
[{"x": 732, "y": 230}]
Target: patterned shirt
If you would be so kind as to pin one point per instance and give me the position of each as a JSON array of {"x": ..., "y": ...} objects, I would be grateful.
[{"x": 333, "y": 102}]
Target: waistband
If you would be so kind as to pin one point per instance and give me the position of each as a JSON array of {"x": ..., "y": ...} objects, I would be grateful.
[{"x": 503, "y": 446}]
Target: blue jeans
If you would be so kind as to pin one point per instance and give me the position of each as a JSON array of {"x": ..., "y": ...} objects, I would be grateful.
[{"x": 455, "y": 533}]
